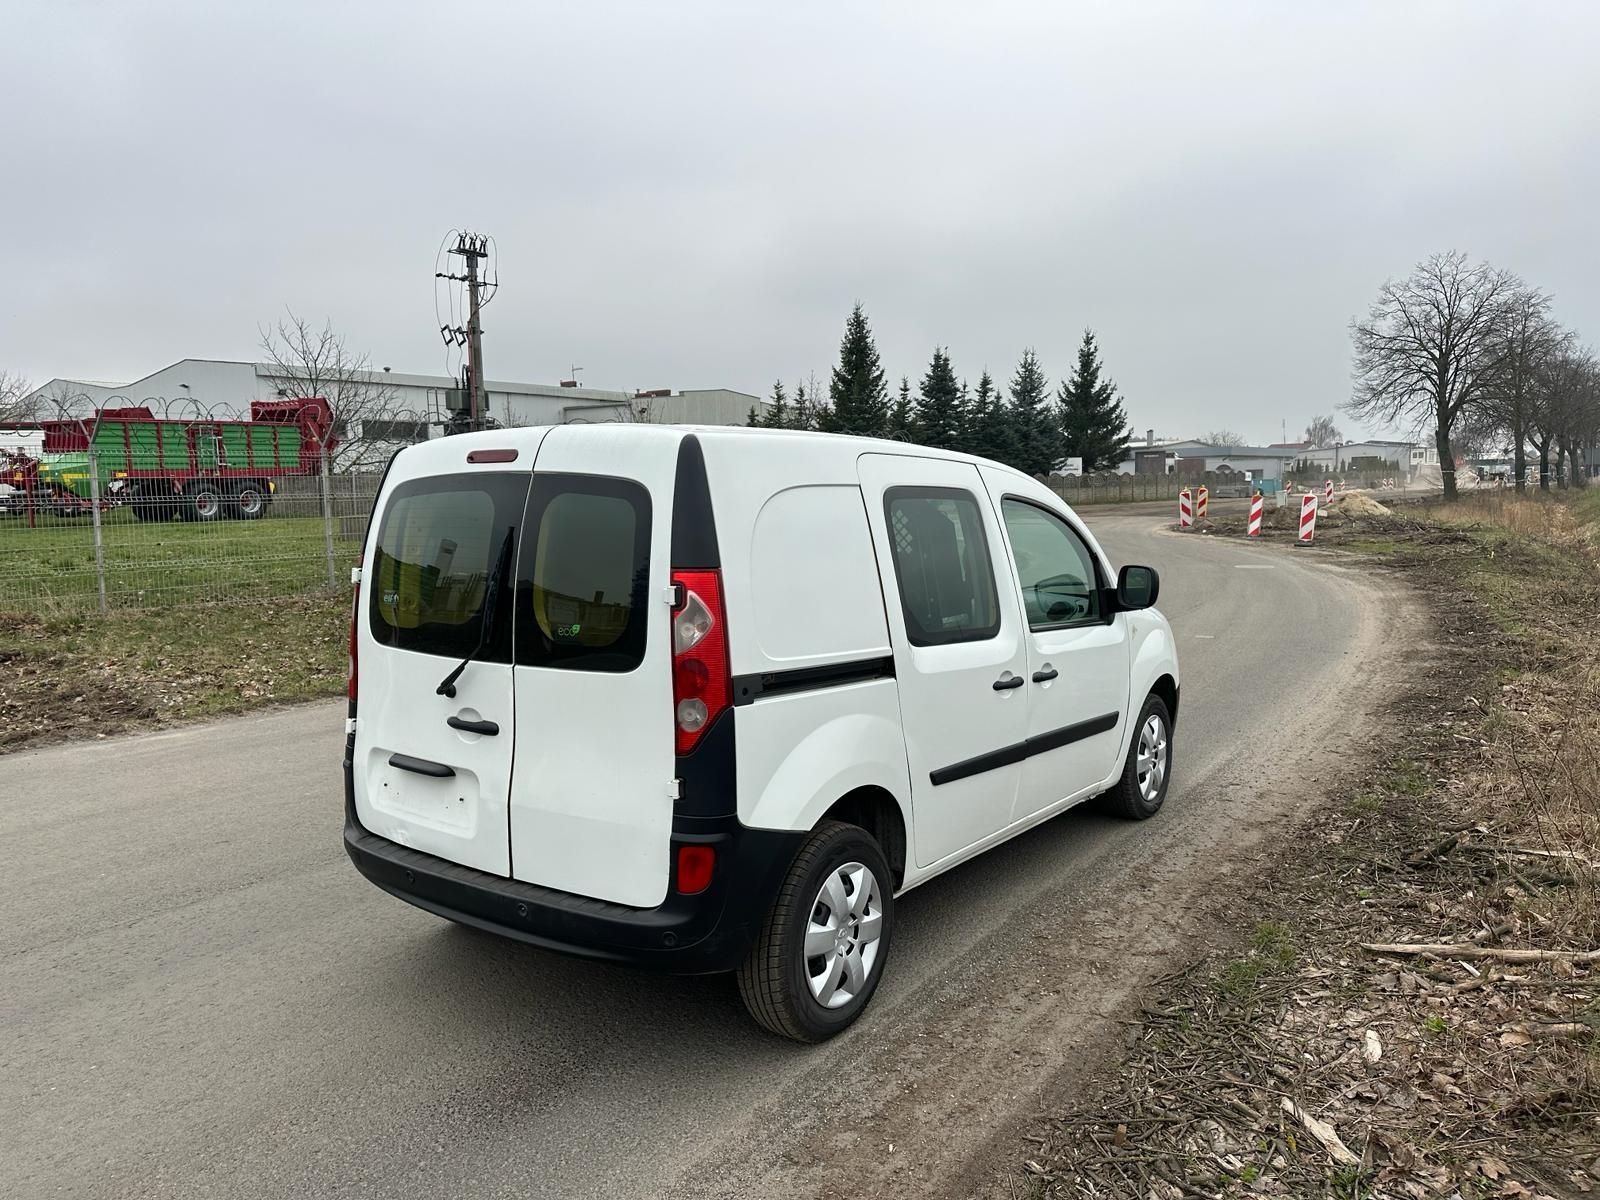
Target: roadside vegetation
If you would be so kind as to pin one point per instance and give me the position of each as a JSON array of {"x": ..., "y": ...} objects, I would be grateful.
[
  {"x": 1413, "y": 1008},
  {"x": 87, "y": 675}
]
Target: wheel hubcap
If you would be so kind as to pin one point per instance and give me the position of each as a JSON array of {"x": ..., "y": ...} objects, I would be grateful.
[
  {"x": 1151, "y": 765},
  {"x": 842, "y": 936}
]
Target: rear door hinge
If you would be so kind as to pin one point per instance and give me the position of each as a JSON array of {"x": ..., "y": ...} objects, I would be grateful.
[
  {"x": 355, "y": 574},
  {"x": 349, "y": 725},
  {"x": 675, "y": 789}
]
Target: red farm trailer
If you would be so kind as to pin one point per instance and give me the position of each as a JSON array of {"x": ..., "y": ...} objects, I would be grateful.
[{"x": 197, "y": 470}]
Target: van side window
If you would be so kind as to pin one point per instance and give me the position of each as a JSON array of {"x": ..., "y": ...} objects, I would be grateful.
[
  {"x": 438, "y": 544},
  {"x": 1060, "y": 582},
  {"x": 942, "y": 565},
  {"x": 583, "y": 574}
]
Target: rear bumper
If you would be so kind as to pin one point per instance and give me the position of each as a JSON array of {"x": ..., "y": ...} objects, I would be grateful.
[{"x": 689, "y": 935}]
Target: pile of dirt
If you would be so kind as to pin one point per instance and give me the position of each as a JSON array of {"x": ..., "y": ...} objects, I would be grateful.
[{"x": 1358, "y": 504}]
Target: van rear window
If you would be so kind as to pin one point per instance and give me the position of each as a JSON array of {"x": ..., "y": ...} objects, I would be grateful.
[
  {"x": 437, "y": 547},
  {"x": 583, "y": 574}
]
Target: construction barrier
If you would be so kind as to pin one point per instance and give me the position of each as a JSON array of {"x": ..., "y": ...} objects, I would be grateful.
[
  {"x": 1256, "y": 504},
  {"x": 1185, "y": 509},
  {"x": 1327, "y": 492},
  {"x": 1308, "y": 519},
  {"x": 1202, "y": 498}
]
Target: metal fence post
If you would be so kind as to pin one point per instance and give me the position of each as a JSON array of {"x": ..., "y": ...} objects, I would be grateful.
[
  {"x": 94, "y": 516},
  {"x": 327, "y": 520}
]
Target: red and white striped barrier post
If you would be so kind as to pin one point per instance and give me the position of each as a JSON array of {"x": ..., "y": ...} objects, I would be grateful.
[
  {"x": 1308, "y": 519},
  {"x": 1185, "y": 509},
  {"x": 1327, "y": 492},
  {"x": 1201, "y": 500},
  {"x": 1256, "y": 504}
]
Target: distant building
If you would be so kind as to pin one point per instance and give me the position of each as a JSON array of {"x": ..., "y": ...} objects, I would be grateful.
[
  {"x": 417, "y": 408},
  {"x": 1198, "y": 458},
  {"x": 1404, "y": 457}
]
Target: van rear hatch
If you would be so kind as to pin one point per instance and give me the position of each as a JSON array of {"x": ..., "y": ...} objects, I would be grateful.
[{"x": 553, "y": 762}]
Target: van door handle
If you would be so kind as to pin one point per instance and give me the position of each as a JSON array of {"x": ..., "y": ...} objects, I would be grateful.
[
  {"x": 1045, "y": 674},
  {"x": 1006, "y": 683},
  {"x": 421, "y": 766},
  {"x": 487, "y": 728}
]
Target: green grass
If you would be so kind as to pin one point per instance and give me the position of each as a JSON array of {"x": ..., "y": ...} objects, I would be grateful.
[
  {"x": 1272, "y": 951},
  {"x": 50, "y": 568},
  {"x": 1374, "y": 546}
]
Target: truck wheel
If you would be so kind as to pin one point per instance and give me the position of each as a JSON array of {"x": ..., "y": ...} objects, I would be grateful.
[
  {"x": 822, "y": 949},
  {"x": 1143, "y": 786},
  {"x": 205, "y": 503},
  {"x": 249, "y": 503}
]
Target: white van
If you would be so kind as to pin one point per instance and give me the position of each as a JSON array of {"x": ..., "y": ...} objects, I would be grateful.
[{"x": 711, "y": 699}]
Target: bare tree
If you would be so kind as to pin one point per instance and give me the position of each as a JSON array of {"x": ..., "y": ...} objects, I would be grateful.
[
  {"x": 310, "y": 362},
  {"x": 1561, "y": 410},
  {"x": 1322, "y": 432},
  {"x": 1425, "y": 351},
  {"x": 14, "y": 402},
  {"x": 1524, "y": 342},
  {"x": 1223, "y": 437}
]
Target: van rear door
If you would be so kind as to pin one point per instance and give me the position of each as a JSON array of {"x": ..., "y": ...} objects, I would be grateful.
[
  {"x": 432, "y": 771},
  {"x": 593, "y": 784}
]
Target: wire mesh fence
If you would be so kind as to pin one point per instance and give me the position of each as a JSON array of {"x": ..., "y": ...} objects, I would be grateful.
[{"x": 119, "y": 552}]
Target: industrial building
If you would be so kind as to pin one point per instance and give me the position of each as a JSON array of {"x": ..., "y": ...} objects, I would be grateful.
[{"x": 414, "y": 407}]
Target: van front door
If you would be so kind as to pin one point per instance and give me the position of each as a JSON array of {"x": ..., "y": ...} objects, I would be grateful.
[
  {"x": 959, "y": 649},
  {"x": 1077, "y": 652}
]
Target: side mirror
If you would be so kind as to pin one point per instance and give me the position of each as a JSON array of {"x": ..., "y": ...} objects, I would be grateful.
[{"x": 1137, "y": 587}]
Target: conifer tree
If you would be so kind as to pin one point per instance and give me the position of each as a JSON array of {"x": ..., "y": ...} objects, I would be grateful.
[
  {"x": 857, "y": 392},
  {"x": 938, "y": 410},
  {"x": 902, "y": 419},
  {"x": 987, "y": 428},
  {"x": 1036, "y": 437},
  {"x": 1093, "y": 424}
]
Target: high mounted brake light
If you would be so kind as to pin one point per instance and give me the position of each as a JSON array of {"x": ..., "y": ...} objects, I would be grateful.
[{"x": 701, "y": 686}]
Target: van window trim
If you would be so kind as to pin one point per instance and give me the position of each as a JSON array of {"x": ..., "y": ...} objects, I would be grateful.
[
  {"x": 1107, "y": 612},
  {"x": 939, "y": 491}
]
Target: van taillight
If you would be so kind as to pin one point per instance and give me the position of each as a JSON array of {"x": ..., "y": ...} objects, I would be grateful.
[
  {"x": 700, "y": 683},
  {"x": 355, "y": 613}
]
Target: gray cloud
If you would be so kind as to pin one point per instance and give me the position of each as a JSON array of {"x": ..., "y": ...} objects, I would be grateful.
[{"x": 693, "y": 194}]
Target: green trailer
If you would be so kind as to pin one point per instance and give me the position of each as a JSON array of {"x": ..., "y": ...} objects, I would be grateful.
[{"x": 192, "y": 469}]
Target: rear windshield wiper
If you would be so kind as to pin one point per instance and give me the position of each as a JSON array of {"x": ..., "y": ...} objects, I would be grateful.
[{"x": 491, "y": 599}]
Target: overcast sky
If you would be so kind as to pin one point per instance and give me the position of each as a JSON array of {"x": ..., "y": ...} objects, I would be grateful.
[{"x": 689, "y": 194}]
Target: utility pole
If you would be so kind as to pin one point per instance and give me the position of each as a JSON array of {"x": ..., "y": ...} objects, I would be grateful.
[{"x": 473, "y": 248}]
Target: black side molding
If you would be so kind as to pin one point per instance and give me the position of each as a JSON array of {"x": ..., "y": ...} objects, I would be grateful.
[
  {"x": 749, "y": 688},
  {"x": 1039, "y": 743},
  {"x": 421, "y": 766}
]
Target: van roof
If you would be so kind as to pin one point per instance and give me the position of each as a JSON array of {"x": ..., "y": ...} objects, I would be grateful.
[{"x": 830, "y": 444}]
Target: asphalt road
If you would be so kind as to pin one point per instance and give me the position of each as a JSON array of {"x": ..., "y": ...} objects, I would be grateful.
[{"x": 200, "y": 997}]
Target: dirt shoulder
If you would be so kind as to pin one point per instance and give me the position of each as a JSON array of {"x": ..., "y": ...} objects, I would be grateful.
[
  {"x": 1410, "y": 1007},
  {"x": 78, "y": 676}
]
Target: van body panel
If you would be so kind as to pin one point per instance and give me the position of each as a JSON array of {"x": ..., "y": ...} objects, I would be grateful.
[
  {"x": 741, "y": 486},
  {"x": 814, "y": 590},
  {"x": 591, "y": 797},
  {"x": 800, "y": 752}
]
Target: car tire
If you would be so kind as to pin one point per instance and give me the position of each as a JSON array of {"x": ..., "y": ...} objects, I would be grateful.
[
  {"x": 811, "y": 997},
  {"x": 1137, "y": 796}
]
